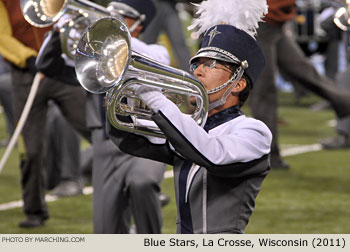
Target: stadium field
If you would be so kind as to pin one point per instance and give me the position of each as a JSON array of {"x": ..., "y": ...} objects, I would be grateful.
[{"x": 313, "y": 196}]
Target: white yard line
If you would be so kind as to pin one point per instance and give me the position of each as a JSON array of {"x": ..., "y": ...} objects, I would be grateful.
[
  {"x": 169, "y": 174},
  {"x": 300, "y": 150},
  {"x": 48, "y": 198}
]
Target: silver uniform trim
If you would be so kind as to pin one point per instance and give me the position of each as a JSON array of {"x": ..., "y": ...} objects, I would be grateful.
[
  {"x": 204, "y": 205},
  {"x": 235, "y": 78},
  {"x": 194, "y": 169}
]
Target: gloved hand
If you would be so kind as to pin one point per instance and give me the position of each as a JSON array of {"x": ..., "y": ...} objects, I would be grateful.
[
  {"x": 30, "y": 63},
  {"x": 152, "y": 96}
]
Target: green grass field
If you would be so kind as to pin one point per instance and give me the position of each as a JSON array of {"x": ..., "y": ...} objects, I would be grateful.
[{"x": 311, "y": 197}]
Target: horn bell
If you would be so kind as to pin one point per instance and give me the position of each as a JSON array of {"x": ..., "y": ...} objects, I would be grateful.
[
  {"x": 42, "y": 13},
  {"x": 102, "y": 55}
]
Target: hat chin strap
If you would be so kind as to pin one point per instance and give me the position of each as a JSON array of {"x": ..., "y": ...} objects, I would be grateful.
[
  {"x": 137, "y": 23},
  {"x": 234, "y": 80}
]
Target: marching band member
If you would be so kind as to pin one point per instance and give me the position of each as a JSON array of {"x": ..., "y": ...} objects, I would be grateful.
[
  {"x": 284, "y": 54},
  {"x": 123, "y": 185},
  {"x": 218, "y": 169},
  {"x": 19, "y": 44}
]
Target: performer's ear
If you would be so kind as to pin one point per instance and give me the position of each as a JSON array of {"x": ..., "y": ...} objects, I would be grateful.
[{"x": 240, "y": 86}]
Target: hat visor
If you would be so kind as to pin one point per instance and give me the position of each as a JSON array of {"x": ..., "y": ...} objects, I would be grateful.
[{"x": 213, "y": 55}]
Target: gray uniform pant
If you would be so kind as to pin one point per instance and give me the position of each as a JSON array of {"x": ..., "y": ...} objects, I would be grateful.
[
  {"x": 124, "y": 185},
  {"x": 6, "y": 101},
  {"x": 71, "y": 101},
  {"x": 343, "y": 124},
  {"x": 284, "y": 54},
  {"x": 62, "y": 152}
]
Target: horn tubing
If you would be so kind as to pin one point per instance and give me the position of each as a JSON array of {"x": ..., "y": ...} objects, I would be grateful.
[
  {"x": 117, "y": 93},
  {"x": 93, "y": 5}
]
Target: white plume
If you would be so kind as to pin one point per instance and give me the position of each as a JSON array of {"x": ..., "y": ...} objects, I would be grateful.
[{"x": 243, "y": 14}]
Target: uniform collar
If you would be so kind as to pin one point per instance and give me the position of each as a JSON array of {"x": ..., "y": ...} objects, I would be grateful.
[{"x": 222, "y": 117}]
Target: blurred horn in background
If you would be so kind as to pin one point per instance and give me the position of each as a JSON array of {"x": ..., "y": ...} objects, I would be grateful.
[
  {"x": 43, "y": 13},
  {"x": 80, "y": 13},
  {"x": 104, "y": 62},
  {"x": 342, "y": 17}
]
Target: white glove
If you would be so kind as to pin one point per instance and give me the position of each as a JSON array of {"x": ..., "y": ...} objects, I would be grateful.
[{"x": 152, "y": 96}]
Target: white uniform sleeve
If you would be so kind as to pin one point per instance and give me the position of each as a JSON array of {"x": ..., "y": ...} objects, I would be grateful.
[
  {"x": 153, "y": 51},
  {"x": 240, "y": 140}
]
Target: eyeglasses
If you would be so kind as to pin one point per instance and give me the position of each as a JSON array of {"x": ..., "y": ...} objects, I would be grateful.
[{"x": 209, "y": 63}]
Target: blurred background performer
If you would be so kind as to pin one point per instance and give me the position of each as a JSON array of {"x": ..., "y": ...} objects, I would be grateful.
[
  {"x": 284, "y": 54},
  {"x": 124, "y": 185},
  {"x": 342, "y": 78},
  {"x": 218, "y": 170},
  {"x": 19, "y": 45},
  {"x": 6, "y": 99},
  {"x": 167, "y": 20},
  {"x": 62, "y": 157}
]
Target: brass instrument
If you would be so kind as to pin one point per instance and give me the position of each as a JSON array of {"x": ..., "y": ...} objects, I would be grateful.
[
  {"x": 342, "y": 16},
  {"x": 81, "y": 13},
  {"x": 104, "y": 62}
]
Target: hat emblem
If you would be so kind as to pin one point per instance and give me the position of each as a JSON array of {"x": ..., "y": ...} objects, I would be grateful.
[{"x": 212, "y": 34}]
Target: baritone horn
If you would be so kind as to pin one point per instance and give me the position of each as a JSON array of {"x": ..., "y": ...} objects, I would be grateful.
[
  {"x": 79, "y": 15},
  {"x": 342, "y": 17},
  {"x": 104, "y": 62}
]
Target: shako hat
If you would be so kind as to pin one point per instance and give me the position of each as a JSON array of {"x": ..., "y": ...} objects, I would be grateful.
[{"x": 229, "y": 28}]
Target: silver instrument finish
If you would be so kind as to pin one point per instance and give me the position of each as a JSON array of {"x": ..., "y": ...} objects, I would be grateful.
[{"x": 104, "y": 62}]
